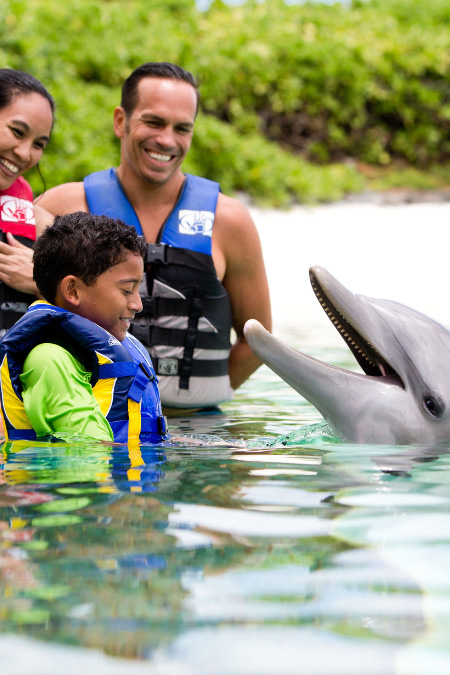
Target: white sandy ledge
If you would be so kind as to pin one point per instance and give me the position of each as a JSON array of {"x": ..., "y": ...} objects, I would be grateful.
[{"x": 400, "y": 252}]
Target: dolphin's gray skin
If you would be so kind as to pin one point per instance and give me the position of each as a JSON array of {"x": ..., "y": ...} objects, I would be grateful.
[{"x": 404, "y": 395}]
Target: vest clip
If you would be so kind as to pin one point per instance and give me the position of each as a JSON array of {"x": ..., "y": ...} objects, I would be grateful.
[
  {"x": 156, "y": 253},
  {"x": 162, "y": 425}
]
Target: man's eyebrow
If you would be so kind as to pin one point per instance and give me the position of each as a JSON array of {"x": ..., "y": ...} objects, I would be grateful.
[
  {"x": 156, "y": 118},
  {"x": 26, "y": 128}
]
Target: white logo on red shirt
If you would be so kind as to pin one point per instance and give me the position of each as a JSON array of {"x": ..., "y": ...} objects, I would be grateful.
[{"x": 16, "y": 210}]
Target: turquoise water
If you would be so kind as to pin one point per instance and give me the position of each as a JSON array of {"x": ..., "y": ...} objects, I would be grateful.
[{"x": 289, "y": 552}]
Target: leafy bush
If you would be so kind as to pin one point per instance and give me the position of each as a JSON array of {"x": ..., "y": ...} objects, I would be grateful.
[{"x": 292, "y": 95}]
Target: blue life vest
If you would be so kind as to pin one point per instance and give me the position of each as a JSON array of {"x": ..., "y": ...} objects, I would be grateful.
[
  {"x": 189, "y": 225},
  {"x": 186, "y": 319},
  {"x": 123, "y": 380}
]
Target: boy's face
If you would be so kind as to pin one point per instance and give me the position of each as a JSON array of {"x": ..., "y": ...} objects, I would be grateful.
[{"x": 113, "y": 300}]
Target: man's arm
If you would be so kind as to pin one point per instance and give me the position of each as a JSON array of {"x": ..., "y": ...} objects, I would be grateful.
[
  {"x": 62, "y": 199},
  {"x": 237, "y": 240},
  {"x": 43, "y": 219}
]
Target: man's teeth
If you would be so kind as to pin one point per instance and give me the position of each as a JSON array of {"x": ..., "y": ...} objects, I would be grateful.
[
  {"x": 10, "y": 166},
  {"x": 159, "y": 157}
]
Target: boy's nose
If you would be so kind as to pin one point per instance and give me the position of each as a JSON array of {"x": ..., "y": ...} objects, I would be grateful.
[{"x": 136, "y": 302}]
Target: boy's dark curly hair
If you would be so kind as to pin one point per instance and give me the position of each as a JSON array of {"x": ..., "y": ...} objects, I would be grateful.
[{"x": 83, "y": 245}]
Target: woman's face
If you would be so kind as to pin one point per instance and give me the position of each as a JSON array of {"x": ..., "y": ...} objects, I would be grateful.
[{"x": 25, "y": 126}]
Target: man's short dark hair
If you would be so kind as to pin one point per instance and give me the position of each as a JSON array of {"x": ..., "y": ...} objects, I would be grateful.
[
  {"x": 83, "y": 245},
  {"x": 161, "y": 70}
]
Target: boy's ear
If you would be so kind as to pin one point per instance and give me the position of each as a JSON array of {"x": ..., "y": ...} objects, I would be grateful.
[
  {"x": 69, "y": 290},
  {"x": 119, "y": 122}
]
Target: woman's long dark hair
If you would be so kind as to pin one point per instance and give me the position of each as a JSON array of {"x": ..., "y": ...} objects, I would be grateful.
[{"x": 15, "y": 82}]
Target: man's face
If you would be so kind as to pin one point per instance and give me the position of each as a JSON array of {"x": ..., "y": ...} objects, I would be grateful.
[
  {"x": 114, "y": 298},
  {"x": 157, "y": 135}
]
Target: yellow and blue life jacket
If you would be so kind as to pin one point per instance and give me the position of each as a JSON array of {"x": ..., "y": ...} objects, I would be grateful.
[{"x": 123, "y": 380}]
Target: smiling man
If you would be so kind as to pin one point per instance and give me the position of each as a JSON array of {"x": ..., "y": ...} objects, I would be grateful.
[{"x": 204, "y": 271}]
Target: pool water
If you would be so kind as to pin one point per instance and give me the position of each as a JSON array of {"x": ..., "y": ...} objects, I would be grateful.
[
  {"x": 289, "y": 552},
  {"x": 271, "y": 549}
]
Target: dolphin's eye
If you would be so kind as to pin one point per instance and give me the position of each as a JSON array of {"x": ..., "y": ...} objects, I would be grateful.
[{"x": 434, "y": 405}]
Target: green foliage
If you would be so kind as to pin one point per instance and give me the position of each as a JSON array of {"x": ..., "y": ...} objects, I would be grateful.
[{"x": 290, "y": 93}]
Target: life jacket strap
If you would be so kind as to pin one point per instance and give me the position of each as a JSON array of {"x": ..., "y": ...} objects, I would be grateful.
[
  {"x": 200, "y": 367},
  {"x": 166, "y": 254},
  {"x": 170, "y": 337},
  {"x": 120, "y": 369},
  {"x": 158, "y": 306},
  {"x": 141, "y": 380}
]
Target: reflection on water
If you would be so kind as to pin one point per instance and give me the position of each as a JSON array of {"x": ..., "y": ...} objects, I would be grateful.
[
  {"x": 289, "y": 552},
  {"x": 298, "y": 549}
]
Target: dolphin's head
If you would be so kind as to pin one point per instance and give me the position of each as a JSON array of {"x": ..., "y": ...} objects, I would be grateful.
[{"x": 403, "y": 394}]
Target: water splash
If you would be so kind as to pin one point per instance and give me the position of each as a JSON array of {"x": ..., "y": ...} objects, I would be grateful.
[{"x": 310, "y": 434}]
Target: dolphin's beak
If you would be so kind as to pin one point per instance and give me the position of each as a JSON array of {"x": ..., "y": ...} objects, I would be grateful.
[{"x": 352, "y": 321}]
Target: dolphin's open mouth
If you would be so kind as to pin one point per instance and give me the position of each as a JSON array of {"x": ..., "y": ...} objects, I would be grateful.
[{"x": 370, "y": 360}]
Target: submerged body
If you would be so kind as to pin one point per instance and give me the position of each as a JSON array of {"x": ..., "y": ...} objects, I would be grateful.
[{"x": 403, "y": 397}]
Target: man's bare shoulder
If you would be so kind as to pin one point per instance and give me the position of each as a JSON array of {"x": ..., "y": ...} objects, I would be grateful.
[
  {"x": 65, "y": 198},
  {"x": 236, "y": 236},
  {"x": 232, "y": 216},
  {"x": 229, "y": 207}
]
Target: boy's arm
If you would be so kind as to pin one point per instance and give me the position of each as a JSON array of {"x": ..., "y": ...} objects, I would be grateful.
[{"x": 58, "y": 398}]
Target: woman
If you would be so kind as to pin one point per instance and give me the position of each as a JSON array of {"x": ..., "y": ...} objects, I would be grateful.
[{"x": 26, "y": 120}]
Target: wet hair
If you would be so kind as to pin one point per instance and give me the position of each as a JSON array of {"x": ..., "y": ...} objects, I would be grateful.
[
  {"x": 14, "y": 83},
  {"x": 161, "y": 70},
  {"x": 83, "y": 245}
]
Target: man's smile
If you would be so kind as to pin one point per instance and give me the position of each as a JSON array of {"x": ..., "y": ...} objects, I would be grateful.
[{"x": 158, "y": 156}]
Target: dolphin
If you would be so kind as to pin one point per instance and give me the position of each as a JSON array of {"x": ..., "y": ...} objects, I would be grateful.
[{"x": 402, "y": 397}]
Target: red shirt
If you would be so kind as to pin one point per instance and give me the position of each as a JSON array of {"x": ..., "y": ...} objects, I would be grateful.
[{"x": 16, "y": 210}]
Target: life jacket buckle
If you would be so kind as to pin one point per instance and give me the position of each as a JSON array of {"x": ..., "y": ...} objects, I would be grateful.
[
  {"x": 147, "y": 371},
  {"x": 156, "y": 253},
  {"x": 162, "y": 425}
]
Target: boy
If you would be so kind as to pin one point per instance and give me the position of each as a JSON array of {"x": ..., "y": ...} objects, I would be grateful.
[{"x": 68, "y": 367}]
